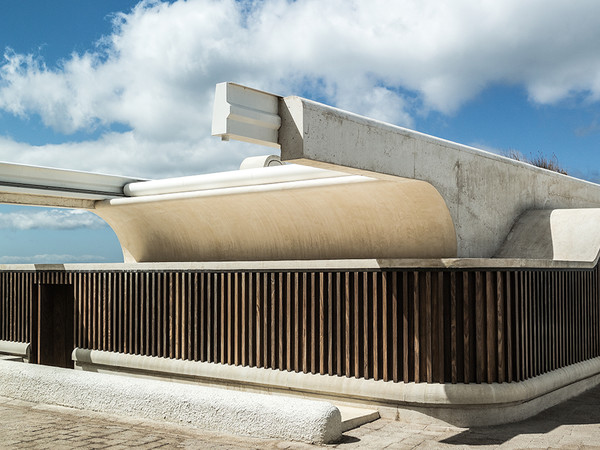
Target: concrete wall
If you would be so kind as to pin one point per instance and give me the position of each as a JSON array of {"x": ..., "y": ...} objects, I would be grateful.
[{"x": 485, "y": 193}]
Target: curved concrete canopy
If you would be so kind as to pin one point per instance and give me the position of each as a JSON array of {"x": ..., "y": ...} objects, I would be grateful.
[{"x": 331, "y": 218}]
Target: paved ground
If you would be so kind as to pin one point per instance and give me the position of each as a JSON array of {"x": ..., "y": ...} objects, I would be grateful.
[{"x": 574, "y": 424}]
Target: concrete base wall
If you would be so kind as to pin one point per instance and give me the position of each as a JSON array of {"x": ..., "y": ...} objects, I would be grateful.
[{"x": 462, "y": 405}]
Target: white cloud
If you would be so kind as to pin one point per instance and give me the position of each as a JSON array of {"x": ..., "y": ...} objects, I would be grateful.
[
  {"x": 56, "y": 219},
  {"x": 156, "y": 72},
  {"x": 51, "y": 259}
]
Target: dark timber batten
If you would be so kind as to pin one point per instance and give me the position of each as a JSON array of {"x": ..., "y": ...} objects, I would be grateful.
[{"x": 433, "y": 326}]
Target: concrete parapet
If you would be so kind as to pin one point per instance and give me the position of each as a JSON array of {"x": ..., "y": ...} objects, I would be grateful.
[{"x": 201, "y": 407}]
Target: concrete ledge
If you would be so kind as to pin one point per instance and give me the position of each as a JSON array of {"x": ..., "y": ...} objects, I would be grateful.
[
  {"x": 458, "y": 404},
  {"x": 18, "y": 349},
  {"x": 198, "y": 406},
  {"x": 333, "y": 264}
]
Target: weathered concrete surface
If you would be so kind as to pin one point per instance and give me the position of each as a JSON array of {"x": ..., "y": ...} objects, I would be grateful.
[
  {"x": 559, "y": 234},
  {"x": 201, "y": 407},
  {"x": 363, "y": 218},
  {"x": 485, "y": 193}
]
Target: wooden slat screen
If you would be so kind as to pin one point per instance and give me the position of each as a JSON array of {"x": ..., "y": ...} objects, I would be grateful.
[{"x": 434, "y": 326}]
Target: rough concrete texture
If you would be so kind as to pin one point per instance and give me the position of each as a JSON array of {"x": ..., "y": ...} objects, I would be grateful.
[
  {"x": 201, "y": 407},
  {"x": 559, "y": 234},
  {"x": 485, "y": 193}
]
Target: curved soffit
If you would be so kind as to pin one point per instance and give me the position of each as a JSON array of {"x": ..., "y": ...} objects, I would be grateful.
[{"x": 369, "y": 219}]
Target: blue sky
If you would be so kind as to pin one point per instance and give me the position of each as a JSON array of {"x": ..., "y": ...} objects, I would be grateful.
[{"x": 126, "y": 88}]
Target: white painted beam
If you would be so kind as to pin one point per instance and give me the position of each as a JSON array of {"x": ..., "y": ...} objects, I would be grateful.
[{"x": 44, "y": 186}]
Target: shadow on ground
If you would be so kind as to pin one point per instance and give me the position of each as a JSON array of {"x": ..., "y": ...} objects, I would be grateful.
[{"x": 581, "y": 410}]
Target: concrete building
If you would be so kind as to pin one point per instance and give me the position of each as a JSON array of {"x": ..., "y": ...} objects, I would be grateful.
[{"x": 367, "y": 264}]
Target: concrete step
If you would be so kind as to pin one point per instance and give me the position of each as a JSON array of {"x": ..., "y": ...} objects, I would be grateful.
[{"x": 355, "y": 417}]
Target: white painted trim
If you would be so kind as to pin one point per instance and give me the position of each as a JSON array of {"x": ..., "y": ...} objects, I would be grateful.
[
  {"x": 246, "y": 114},
  {"x": 235, "y": 178},
  {"x": 36, "y": 180}
]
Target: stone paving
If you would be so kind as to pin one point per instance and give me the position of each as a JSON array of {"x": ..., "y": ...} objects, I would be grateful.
[{"x": 573, "y": 424}]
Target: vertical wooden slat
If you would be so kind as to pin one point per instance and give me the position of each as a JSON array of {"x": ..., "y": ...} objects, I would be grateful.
[
  {"x": 228, "y": 338},
  {"x": 439, "y": 354},
  {"x": 347, "y": 322},
  {"x": 416, "y": 326},
  {"x": 406, "y": 338},
  {"x": 509, "y": 358},
  {"x": 468, "y": 333},
  {"x": 201, "y": 299},
  {"x": 375, "y": 324},
  {"x": 357, "y": 338},
  {"x": 322, "y": 337},
  {"x": 453, "y": 329},
  {"x": 328, "y": 308},
  {"x": 305, "y": 324},
  {"x": 480, "y": 336},
  {"x": 298, "y": 329},
  {"x": 501, "y": 318},
  {"x": 365, "y": 337},
  {"x": 395, "y": 359},
  {"x": 429, "y": 328},
  {"x": 237, "y": 324},
  {"x": 330, "y": 336},
  {"x": 338, "y": 325},
  {"x": 289, "y": 334},
  {"x": 280, "y": 341}
]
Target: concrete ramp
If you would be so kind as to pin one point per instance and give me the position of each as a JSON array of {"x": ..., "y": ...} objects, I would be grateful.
[{"x": 555, "y": 234}]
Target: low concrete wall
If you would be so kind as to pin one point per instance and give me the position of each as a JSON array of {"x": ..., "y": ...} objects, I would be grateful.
[
  {"x": 485, "y": 193},
  {"x": 201, "y": 407},
  {"x": 19, "y": 350},
  {"x": 459, "y": 404}
]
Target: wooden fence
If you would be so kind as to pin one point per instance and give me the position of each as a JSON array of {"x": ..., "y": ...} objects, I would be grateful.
[{"x": 443, "y": 326}]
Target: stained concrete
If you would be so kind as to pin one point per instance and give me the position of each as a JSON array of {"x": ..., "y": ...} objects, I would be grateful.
[{"x": 484, "y": 192}]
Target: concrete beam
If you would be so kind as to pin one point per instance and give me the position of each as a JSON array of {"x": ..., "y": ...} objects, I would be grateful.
[{"x": 484, "y": 192}]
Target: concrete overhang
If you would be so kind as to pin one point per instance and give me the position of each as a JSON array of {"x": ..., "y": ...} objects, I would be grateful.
[
  {"x": 484, "y": 192},
  {"x": 280, "y": 213}
]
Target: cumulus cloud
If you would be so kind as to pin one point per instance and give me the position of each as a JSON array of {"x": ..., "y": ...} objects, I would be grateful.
[
  {"x": 56, "y": 219},
  {"x": 155, "y": 73}
]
